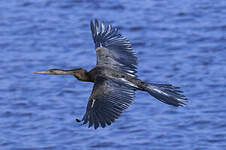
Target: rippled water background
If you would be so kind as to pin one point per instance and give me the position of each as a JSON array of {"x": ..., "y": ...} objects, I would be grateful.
[{"x": 179, "y": 42}]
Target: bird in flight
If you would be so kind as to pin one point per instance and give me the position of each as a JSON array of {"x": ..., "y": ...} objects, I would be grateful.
[{"x": 114, "y": 77}]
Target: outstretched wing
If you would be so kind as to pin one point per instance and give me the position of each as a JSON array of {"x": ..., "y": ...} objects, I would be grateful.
[
  {"x": 107, "y": 101},
  {"x": 113, "y": 50}
]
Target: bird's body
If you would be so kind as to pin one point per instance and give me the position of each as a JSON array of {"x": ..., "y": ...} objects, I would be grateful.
[
  {"x": 111, "y": 74},
  {"x": 115, "y": 80}
]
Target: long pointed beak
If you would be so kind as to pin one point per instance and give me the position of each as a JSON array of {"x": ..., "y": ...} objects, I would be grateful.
[{"x": 42, "y": 72}]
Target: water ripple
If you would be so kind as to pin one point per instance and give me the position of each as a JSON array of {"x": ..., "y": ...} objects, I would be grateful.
[{"x": 178, "y": 42}]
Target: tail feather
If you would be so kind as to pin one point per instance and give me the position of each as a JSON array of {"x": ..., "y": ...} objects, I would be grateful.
[{"x": 167, "y": 93}]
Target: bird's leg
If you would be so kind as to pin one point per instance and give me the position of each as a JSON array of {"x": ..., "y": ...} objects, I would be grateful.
[{"x": 78, "y": 120}]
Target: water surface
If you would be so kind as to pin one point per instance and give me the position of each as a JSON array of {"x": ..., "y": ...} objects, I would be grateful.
[{"x": 178, "y": 42}]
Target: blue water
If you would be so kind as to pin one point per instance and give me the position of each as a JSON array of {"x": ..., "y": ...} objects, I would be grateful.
[{"x": 179, "y": 42}]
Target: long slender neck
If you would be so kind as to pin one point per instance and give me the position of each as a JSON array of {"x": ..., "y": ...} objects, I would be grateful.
[
  {"x": 64, "y": 72},
  {"x": 80, "y": 74},
  {"x": 83, "y": 76}
]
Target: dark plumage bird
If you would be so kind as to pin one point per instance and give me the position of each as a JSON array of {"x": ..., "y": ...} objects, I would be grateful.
[{"x": 114, "y": 77}]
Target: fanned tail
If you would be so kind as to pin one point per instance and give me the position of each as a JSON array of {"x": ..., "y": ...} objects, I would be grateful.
[{"x": 166, "y": 93}]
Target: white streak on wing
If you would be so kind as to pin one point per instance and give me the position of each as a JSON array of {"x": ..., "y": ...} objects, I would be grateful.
[
  {"x": 128, "y": 82},
  {"x": 130, "y": 71},
  {"x": 130, "y": 74},
  {"x": 93, "y": 103}
]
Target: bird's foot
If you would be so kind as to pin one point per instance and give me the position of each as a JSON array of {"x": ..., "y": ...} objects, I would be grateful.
[{"x": 77, "y": 120}]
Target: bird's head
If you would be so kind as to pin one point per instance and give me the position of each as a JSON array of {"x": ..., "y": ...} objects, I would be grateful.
[
  {"x": 55, "y": 72},
  {"x": 80, "y": 74}
]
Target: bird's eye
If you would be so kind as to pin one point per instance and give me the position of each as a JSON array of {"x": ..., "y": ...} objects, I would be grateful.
[{"x": 51, "y": 70}]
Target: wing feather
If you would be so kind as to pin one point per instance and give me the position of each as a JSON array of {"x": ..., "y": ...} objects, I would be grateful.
[
  {"x": 113, "y": 50},
  {"x": 108, "y": 100}
]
